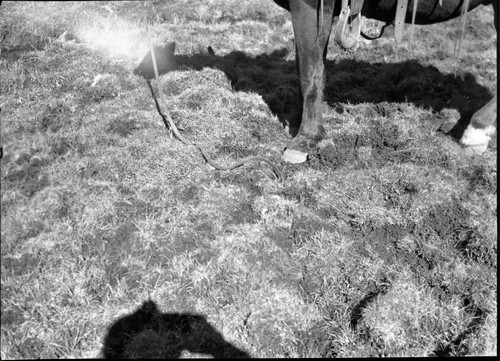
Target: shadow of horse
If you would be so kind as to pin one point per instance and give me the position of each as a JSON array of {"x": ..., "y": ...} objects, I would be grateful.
[
  {"x": 348, "y": 81},
  {"x": 148, "y": 333}
]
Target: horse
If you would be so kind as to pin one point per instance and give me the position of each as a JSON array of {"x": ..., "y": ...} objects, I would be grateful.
[{"x": 312, "y": 22}]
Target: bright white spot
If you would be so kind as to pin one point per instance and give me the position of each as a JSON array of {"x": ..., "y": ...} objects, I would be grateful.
[
  {"x": 294, "y": 156},
  {"x": 120, "y": 40},
  {"x": 477, "y": 139}
]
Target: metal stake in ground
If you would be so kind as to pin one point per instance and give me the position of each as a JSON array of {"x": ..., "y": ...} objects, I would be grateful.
[{"x": 202, "y": 149}]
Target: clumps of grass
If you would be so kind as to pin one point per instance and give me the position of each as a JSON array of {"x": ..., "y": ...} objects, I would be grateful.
[
  {"x": 383, "y": 244},
  {"x": 24, "y": 32},
  {"x": 231, "y": 123},
  {"x": 404, "y": 320},
  {"x": 210, "y": 12}
]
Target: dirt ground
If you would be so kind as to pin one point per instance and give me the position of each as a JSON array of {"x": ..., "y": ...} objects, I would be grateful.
[{"x": 119, "y": 240}]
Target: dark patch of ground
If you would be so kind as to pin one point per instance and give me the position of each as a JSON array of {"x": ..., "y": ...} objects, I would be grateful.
[
  {"x": 401, "y": 194},
  {"x": 450, "y": 222},
  {"x": 123, "y": 126},
  {"x": 118, "y": 247},
  {"x": 61, "y": 146},
  {"x": 301, "y": 230},
  {"x": 472, "y": 246},
  {"x": 314, "y": 340},
  {"x": 458, "y": 346},
  {"x": 333, "y": 156},
  {"x": 237, "y": 151},
  {"x": 248, "y": 180},
  {"x": 32, "y": 347},
  {"x": 20, "y": 266},
  {"x": 188, "y": 194},
  {"x": 424, "y": 86},
  {"x": 113, "y": 247},
  {"x": 445, "y": 220},
  {"x": 190, "y": 238},
  {"x": 373, "y": 290},
  {"x": 132, "y": 208},
  {"x": 257, "y": 127},
  {"x": 383, "y": 139},
  {"x": 12, "y": 318},
  {"x": 102, "y": 91},
  {"x": 53, "y": 118},
  {"x": 348, "y": 81},
  {"x": 301, "y": 194},
  {"x": 240, "y": 213},
  {"x": 482, "y": 179},
  {"x": 27, "y": 175},
  {"x": 382, "y": 241},
  {"x": 203, "y": 256}
]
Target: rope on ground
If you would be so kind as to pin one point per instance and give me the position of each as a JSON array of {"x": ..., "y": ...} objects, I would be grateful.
[{"x": 202, "y": 149}]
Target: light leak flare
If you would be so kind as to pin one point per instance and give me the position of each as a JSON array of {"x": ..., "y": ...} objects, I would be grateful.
[{"x": 118, "y": 39}]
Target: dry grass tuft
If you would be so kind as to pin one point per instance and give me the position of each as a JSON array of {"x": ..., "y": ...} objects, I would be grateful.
[{"x": 383, "y": 244}]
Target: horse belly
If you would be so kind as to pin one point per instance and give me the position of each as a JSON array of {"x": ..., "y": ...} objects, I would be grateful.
[{"x": 428, "y": 11}]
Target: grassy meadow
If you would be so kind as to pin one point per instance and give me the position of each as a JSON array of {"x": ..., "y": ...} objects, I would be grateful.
[{"x": 383, "y": 244}]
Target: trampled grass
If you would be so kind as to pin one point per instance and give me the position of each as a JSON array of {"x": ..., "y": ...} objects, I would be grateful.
[{"x": 383, "y": 244}]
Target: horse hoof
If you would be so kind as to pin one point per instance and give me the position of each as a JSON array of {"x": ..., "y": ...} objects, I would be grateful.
[
  {"x": 476, "y": 140},
  {"x": 294, "y": 156},
  {"x": 476, "y": 149}
]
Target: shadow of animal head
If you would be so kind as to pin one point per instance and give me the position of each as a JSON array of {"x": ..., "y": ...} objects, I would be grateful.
[
  {"x": 164, "y": 60},
  {"x": 148, "y": 333},
  {"x": 347, "y": 81}
]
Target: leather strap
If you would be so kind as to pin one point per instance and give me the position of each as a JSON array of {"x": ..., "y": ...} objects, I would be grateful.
[
  {"x": 400, "y": 19},
  {"x": 347, "y": 35},
  {"x": 356, "y": 6},
  {"x": 412, "y": 26}
]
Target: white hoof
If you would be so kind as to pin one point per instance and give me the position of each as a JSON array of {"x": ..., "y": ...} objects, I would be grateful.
[
  {"x": 294, "y": 156},
  {"x": 476, "y": 140}
]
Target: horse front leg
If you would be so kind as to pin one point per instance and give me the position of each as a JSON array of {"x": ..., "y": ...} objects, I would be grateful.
[
  {"x": 478, "y": 133},
  {"x": 311, "y": 40}
]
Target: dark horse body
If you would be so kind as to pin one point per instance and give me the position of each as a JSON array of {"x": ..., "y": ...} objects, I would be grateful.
[{"x": 312, "y": 23}]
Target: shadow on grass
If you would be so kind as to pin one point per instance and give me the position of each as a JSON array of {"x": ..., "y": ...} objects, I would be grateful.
[
  {"x": 348, "y": 81},
  {"x": 357, "y": 311},
  {"x": 457, "y": 346},
  {"x": 148, "y": 333}
]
